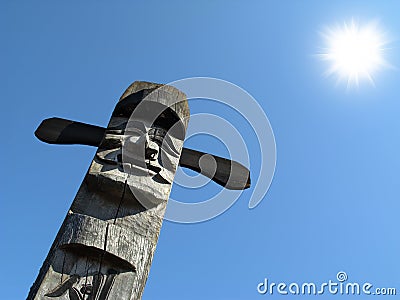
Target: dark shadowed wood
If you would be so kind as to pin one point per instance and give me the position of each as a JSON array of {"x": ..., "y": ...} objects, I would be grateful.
[{"x": 228, "y": 173}]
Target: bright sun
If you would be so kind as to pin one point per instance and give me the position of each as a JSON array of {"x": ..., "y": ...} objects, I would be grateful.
[{"x": 354, "y": 52}]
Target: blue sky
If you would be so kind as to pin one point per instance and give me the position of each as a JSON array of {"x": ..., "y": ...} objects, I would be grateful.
[{"x": 334, "y": 201}]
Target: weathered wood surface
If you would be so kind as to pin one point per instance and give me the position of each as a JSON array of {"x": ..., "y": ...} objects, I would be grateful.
[{"x": 106, "y": 243}]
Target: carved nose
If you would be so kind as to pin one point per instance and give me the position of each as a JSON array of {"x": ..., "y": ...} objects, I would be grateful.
[{"x": 151, "y": 154}]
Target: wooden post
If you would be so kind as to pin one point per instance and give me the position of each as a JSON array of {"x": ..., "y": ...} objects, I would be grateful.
[{"x": 106, "y": 243}]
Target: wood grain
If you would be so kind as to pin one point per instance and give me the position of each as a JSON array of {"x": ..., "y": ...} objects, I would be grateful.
[{"x": 106, "y": 243}]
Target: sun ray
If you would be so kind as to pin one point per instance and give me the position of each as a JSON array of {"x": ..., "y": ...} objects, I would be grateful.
[{"x": 354, "y": 52}]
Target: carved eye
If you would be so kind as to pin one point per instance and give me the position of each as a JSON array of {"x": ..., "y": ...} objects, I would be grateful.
[{"x": 111, "y": 142}]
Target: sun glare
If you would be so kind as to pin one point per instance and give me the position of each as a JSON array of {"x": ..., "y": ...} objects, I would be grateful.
[{"x": 354, "y": 52}]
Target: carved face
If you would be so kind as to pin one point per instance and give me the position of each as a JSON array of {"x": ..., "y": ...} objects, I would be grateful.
[
  {"x": 145, "y": 155},
  {"x": 151, "y": 180}
]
